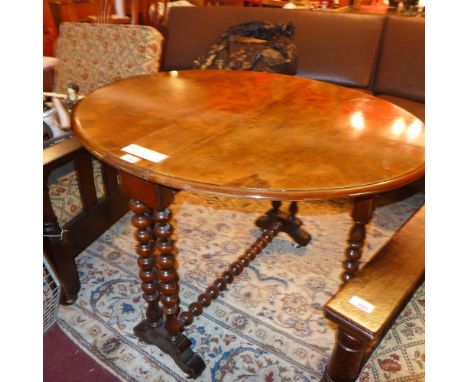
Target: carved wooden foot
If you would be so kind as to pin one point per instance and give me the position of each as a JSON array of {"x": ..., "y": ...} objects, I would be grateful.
[
  {"x": 362, "y": 212},
  {"x": 290, "y": 223},
  {"x": 179, "y": 349}
]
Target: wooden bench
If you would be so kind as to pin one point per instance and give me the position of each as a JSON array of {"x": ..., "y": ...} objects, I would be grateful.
[
  {"x": 63, "y": 243},
  {"x": 379, "y": 292}
]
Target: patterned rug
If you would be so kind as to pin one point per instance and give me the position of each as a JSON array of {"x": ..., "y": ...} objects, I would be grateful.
[{"x": 268, "y": 325}]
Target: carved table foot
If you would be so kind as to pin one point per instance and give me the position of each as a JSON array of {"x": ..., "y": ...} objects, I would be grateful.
[
  {"x": 178, "y": 349},
  {"x": 290, "y": 224}
]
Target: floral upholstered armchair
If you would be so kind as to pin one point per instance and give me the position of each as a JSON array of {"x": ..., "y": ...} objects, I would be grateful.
[{"x": 90, "y": 55}]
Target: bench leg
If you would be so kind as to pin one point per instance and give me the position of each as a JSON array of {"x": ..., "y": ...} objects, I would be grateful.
[{"x": 346, "y": 360}]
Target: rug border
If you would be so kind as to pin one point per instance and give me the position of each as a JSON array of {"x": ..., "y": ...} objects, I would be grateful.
[{"x": 89, "y": 353}]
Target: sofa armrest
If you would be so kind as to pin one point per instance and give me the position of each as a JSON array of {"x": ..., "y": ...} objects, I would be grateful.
[{"x": 366, "y": 306}]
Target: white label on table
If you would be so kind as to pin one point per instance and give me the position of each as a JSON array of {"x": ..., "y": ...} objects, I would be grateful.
[
  {"x": 144, "y": 153},
  {"x": 362, "y": 304},
  {"x": 130, "y": 158}
]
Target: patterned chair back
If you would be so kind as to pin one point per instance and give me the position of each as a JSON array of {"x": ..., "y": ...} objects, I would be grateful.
[{"x": 92, "y": 55}]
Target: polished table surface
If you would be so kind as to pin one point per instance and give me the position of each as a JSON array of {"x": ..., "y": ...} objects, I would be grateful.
[{"x": 253, "y": 134}]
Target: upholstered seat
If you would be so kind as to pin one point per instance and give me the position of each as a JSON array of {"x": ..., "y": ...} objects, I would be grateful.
[{"x": 401, "y": 68}]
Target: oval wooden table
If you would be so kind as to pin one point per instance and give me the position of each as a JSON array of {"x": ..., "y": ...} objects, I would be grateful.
[{"x": 242, "y": 134}]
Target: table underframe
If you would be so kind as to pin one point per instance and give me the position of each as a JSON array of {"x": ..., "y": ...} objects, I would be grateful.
[{"x": 164, "y": 323}]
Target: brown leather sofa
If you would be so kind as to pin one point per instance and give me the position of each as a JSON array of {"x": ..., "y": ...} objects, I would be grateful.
[{"x": 383, "y": 55}]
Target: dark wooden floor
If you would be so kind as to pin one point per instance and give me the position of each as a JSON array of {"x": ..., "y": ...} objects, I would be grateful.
[{"x": 65, "y": 361}]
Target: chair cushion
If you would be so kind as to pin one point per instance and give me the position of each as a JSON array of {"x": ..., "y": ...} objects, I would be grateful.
[
  {"x": 65, "y": 193},
  {"x": 414, "y": 107},
  {"x": 92, "y": 55}
]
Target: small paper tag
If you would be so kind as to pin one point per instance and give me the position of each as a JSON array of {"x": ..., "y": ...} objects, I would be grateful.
[
  {"x": 145, "y": 153},
  {"x": 130, "y": 158},
  {"x": 362, "y": 304}
]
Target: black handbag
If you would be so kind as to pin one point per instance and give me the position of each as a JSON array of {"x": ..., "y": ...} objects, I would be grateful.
[{"x": 257, "y": 46}]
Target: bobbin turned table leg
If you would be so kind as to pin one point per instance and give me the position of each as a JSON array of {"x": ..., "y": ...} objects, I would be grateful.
[
  {"x": 362, "y": 212},
  {"x": 141, "y": 220},
  {"x": 160, "y": 282},
  {"x": 168, "y": 278}
]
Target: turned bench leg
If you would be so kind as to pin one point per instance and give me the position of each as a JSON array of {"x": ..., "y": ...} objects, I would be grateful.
[{"x": 346, "y": 360}]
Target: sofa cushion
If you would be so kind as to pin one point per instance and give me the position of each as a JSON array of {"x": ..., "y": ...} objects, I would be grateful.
[
  {"x": 400, "y": 71},
  {"x": 414, "y": 107},
  {"x": 338, "y": 48}
]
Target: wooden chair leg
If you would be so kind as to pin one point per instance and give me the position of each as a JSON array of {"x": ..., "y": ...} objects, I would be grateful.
[
  {"x": 346, "y": 360},
  {"x": 85, "y": 176},
  {"x": 109, "y": 179}
]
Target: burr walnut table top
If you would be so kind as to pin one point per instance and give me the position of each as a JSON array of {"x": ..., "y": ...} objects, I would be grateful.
[{"x": 253, "y": 134}]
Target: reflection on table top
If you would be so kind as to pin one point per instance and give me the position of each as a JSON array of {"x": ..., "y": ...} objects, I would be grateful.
[{"x": 253, "y": 134}]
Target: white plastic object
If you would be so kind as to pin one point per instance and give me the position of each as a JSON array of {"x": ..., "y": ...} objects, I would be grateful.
[{"x": 62, "y": 113}]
